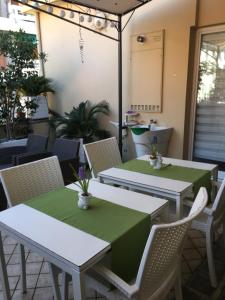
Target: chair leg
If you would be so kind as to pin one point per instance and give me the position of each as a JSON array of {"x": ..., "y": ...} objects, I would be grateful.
[
  {"x": 23, "y": 269},
  {"x": 54, "y": 272},
  {"x": 224, "y": 230},
  {"x": 209, "y": 249},
  {"x": 178, "y": 287}
]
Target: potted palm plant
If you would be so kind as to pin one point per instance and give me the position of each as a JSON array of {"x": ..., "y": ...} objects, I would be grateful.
[{"x": 82, "y": 122}]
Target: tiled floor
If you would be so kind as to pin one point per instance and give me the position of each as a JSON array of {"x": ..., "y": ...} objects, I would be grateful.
[{"x": 194, "y": 271}]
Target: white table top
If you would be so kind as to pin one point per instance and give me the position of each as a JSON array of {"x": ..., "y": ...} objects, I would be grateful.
[
  {"x": 145, "y": 180},
  {"x": 45, "y": 231},
  {"x": 13, "y": 143},
  {"x": 153, "y": 182},
  {"x": 185, "y": 163},
  {"x": 130, "y": 199},
  {"x": 75, "y": 245}
]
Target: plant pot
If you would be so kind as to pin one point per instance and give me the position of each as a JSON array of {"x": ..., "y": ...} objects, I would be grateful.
[
  {"x": 83, "y": 200},
  {"x": 153, "y": 162}
]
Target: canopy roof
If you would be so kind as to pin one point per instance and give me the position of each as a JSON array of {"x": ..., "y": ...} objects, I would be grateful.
[{"x": 117, "y": 7}]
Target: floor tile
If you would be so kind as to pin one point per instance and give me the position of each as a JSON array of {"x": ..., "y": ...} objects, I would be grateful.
[
  {"x": 9, "y": 249},
  {"x": 43, "y": 294},
  {"x": 19, "y": 296},
  {"x": 44, "y": 280},
  {"x": 33, "y": 268},
  {"x": 31, "y": 281},
  {"x": 34, "y": 257},
  {"x": 191, "y": 254},
  {"x": 44, "y": 268}
]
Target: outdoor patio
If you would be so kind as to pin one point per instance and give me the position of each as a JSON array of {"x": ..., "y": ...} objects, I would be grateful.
[
  {"x": 119, "y": 194},
  {"x": 196, "y": 284}
]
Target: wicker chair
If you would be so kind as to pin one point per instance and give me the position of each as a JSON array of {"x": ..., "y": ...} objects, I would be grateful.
[
  {"x": 208, "y": 221},
  {"x": 29, "y": 180},
  {"x": 102, "y": 155},
  {"x": 159, "y": 269}
]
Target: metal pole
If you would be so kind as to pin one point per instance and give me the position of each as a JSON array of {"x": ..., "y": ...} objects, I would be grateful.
[{"x": 120, "y": 87}]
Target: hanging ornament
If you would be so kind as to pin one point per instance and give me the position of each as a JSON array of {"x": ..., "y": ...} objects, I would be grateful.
[
  {"x": 62, "y": 13},
  {"x": 71, "y": 15},
  {"x": 81, "y": 46},
  {"x": 50, "y": 9}
]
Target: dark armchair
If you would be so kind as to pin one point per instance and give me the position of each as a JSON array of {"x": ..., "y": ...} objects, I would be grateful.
[
  {"x": 35, "y": 144},
  {"x": 68, "y": 154}
]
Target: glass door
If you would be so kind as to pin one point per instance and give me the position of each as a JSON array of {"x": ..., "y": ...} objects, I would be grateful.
[{"x": 209, "y": 131}]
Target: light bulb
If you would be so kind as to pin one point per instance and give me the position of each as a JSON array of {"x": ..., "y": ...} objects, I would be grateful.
[
  {"x": 36, "y": 4},
  {"x": 71, "y": 14},
  {"x": 89, "y": 19},
  {"x": 62, "y": 13},
  {"x": 50, "y": 9},
  {"x": 81, "y": 18}
]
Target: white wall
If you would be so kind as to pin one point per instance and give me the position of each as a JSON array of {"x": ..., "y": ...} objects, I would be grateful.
[{"x": 96, "y": 79}]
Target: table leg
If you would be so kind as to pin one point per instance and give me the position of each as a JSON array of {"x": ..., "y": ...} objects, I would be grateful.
[
  {"x": 78, "y": 285},
  {"x": 66, "y": 278},
  {"x": 179, "y": 207},
  {"x": 23, "y": 269},
  {"x": 3, "y": 272}
]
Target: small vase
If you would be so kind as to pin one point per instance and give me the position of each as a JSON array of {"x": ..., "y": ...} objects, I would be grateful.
[
  {"x": 153, "y": 162},
  {"x": 83, "y": 201},
  {"x": 158, "y": 164}
]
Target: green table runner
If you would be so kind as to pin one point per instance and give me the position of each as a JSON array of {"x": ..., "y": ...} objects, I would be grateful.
[
  {"x": 196, "y": 176},
  {"x": 127, "y": 230}
]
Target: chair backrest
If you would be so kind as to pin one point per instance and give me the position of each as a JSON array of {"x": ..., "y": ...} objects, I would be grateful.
[
  {"x": 66, "y": 149},
  {"x": 23, "y": 182},
  {"x": 218, "y": 208},
  {"x": 163, "y": 249},
  {"x": 36, "y": 143},
  {"x": 102, "y": 155}
]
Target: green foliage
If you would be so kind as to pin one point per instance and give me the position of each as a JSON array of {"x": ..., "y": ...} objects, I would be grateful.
[
  {"x": 35, "y": 85},
  {"x": 153, "y": 151},
  {"x": 21, "y": 51},
  {"x": 82, "y": 122}
]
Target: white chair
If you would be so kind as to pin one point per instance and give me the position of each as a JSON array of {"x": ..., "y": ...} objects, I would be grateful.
[
  {"x": 159, "y": 269},
  {"x": 208, "y": 221},
  {"x": 29, "y": 180},
  {"x": 102, "y": 155}
]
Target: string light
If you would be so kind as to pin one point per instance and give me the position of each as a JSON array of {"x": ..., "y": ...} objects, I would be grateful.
[
  {"x": 81, "y": 18},
  {"x": 50, "y": 9},
  {"x": 71, "y": 15},
  {"x": 36, "y": 4},
  {"x": 89, "y": 19},
  {"x": 62, "y": 13}
]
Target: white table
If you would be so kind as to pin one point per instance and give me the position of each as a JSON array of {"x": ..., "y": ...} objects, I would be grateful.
[
  {"x": 163, "y": 187},
  {"x": 39, "y": 232},
  {"x": 13, "y": 143}
]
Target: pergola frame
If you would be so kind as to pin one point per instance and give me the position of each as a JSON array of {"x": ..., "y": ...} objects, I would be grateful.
[{"x": 118, "y": 26}]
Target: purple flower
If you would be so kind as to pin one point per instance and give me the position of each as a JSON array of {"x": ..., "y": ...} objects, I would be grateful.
[{"x": 81, "y": 173}]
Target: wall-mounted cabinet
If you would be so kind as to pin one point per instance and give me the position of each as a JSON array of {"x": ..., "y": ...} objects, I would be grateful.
[{"x": 146, "y": 71}]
